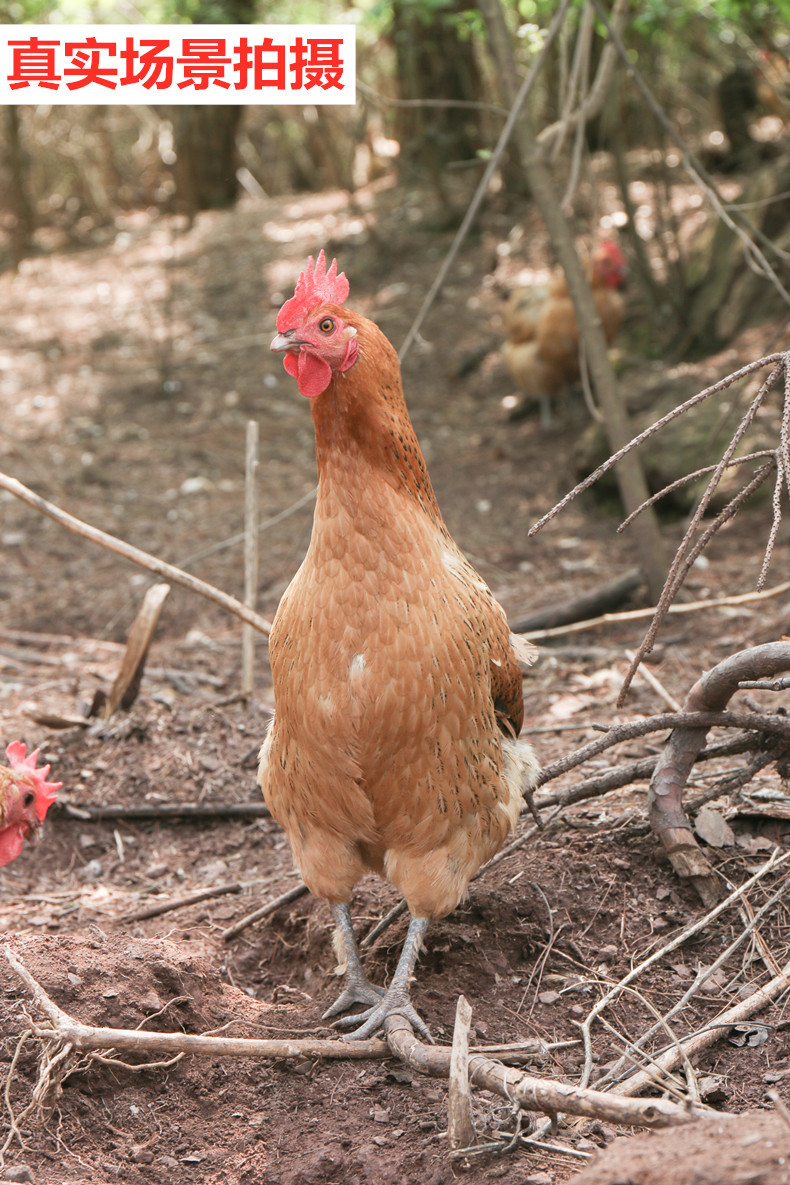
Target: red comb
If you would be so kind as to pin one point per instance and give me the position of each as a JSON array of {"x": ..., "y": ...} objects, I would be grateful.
[
  {"x": 315, "y": 286},
  {"x": 45, "y": 791},
  {"x": 612, "y": 251}
]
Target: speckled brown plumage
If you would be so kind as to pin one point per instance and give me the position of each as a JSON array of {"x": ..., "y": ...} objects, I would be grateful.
[{"x": 395, "y": 682}]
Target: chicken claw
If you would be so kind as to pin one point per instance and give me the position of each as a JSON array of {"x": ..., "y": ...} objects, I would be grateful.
[
  {"x": 358, "y": 988},
  {"x": 393, "y": 1003},
  {"x": 396, "y": 999},
  {"x": 353, "y": 993}
]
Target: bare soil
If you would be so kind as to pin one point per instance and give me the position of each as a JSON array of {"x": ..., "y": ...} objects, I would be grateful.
[{"x": 128, "y": 370}]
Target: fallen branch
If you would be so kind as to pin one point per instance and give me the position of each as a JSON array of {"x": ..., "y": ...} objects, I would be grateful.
[
  {"x": 96, "y": 813},
  {"x": 535, "y": 1094},
  {"x": 86, "y": 1038},
  {"x": 532, "y": 1094},
  {"x": 665, "y": 798},
  {"x": 600, "y": 600},
  {"x": 642, "y": 614},
  {"x": 284, "y": 899},
  {"x": 142, "y": 558},
  {"x": 155, "y": 911}
]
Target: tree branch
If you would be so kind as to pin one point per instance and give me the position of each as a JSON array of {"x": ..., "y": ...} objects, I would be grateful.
[{"x": 134, "y": 554}]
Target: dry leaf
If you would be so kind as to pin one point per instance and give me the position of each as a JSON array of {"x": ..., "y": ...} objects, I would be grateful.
[{"x": 713, "y": 828}]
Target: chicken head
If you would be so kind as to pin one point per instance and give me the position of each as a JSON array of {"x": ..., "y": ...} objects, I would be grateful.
[{"x": 25, "y": 798}]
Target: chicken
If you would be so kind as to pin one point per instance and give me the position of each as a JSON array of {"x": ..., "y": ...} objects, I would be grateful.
[
  {"x": 398, "y": 694},
  {"x": 25, "y": 798},
  {"x": 542, "y": 347}
]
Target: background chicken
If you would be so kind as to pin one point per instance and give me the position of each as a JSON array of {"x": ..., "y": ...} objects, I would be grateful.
[
  {"x": 25, "y": 798},
  {"x": 542, "y": 346},
  {"x": 398, "y": 694}
]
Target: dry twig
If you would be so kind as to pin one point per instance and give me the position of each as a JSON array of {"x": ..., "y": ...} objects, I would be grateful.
[
  {"x": 271, "y": 907},
  {"x": 460, "y": 1128},
  {"x": 134, "y": 554},
  {"x": 66, "y": 1035},
  {"x": 687, "y": 932},
  {"x": 690, "y": 548},
  {"x": 155, "y": 911},
  {"x": 693, "y": 1045}
]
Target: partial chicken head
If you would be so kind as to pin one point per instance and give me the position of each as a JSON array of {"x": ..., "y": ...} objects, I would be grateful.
[
  {"x": 25, "y": 798},
  {"x": 609, "y": 265},
  {"x": 311, "y": 331}
]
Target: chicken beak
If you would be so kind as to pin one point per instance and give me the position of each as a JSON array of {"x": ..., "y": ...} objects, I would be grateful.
[{"x": 285, "y": 341}]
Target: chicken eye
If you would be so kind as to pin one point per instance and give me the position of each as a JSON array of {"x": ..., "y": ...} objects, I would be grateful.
[
  {"x": 326, "y": 325},
  {"x": 29, "y": 799}
]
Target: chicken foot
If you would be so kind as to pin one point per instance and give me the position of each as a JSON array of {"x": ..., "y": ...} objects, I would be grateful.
[
  {"x": 396, "y": 999},
  {"x": 358, "y": 989}
]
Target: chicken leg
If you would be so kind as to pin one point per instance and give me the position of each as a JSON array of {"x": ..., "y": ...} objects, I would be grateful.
[
  {"x": 396, "y": 998},
  {"x": 358, "y": 988}
]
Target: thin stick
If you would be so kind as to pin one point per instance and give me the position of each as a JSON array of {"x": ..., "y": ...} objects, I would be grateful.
[
  {"x": 687, "y": 932},
  {"x": 697, "y": 1042},
  {"x": 482, "y": 188},
  {"x": 97, "y": 813},
  {"x": 142, "y": 558},
  {"x": 155, "y": 911},
  {"x": 577, "y": 627},
  {"x": 391, "y": 916},
  {"x": 460, "y": 1128},
  {"x": 271, "y": 907},
  {"x": 88, "y": 1037},
  {"x": 655, "y": 683},
  {"x": 250, "y": 555}
]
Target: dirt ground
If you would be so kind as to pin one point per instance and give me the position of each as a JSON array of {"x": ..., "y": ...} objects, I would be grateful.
[{"x": 128, "y": 371}]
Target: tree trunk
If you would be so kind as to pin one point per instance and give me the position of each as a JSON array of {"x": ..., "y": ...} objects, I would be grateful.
[
  {"x": 434, "y": 62},
  {"x": 204, "y": 141},
  {"x": 20, "y": 204},
  {"x": 630, "y": 476}
]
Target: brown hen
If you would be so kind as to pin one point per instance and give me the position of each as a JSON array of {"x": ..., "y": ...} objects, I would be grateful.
[
  {"x": 398, "y": 695},
  {"x": 542, "y": 347}
]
